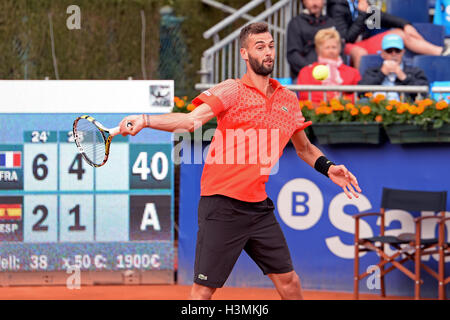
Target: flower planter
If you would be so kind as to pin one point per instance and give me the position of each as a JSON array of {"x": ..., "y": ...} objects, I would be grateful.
[
  {"x": 348, "y": 132},
  {"x": 409, "y": 133}
]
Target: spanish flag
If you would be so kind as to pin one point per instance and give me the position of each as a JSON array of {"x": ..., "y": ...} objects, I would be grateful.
[{"x": 10, "y": 211}]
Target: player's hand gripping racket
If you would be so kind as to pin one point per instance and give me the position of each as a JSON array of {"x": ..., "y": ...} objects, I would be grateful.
[{"x": 93, "y": 139}]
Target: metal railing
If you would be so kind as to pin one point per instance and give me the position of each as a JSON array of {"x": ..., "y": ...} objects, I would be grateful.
[
  {"x": 355, "y": 89},
  {"x": 223, "y": 61}
]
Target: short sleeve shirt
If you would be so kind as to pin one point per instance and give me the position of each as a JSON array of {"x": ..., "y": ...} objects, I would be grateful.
[{"x": 252, "y": 131}]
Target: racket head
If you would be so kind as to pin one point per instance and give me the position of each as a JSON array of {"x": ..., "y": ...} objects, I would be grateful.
[{"x": 92, "y": 140}]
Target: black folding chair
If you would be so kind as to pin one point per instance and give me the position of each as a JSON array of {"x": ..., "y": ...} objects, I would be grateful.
[{"x": 404, "y": 200}]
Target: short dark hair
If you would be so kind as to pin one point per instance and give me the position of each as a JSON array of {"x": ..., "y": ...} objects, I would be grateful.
[{"x": 253, "y": 28}]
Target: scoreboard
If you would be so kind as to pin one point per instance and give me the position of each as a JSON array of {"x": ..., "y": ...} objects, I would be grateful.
[{"x": 57, "y": 213}]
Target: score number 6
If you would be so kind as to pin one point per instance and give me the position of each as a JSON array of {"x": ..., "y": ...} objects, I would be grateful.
[{"x": 141, "y": 168}]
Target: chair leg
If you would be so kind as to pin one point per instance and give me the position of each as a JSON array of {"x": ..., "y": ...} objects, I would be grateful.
[
  {"x": 356, "y": 274},
  {"x": 417, "y": 273},
  {"x": 382, "y": 287},
  {"x": 441, "y": 273}
]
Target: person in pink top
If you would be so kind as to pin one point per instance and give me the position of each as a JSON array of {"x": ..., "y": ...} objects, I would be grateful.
[{"x": 328, "y": 46}]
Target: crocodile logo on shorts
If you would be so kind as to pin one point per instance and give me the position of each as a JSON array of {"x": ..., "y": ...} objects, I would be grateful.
[{"x": 202, "y": 277}]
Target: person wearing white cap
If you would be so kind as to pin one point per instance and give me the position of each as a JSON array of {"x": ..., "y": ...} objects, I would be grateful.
[{"x": 393, "y": 72}]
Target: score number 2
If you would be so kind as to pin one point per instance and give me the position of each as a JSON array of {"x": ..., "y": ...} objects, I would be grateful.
[
  {"x": 39, "y": 136},
  {"x": 141, "y": 168}
]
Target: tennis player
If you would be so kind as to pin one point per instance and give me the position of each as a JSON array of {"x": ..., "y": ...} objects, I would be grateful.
[{"x": 234, "y": 212}]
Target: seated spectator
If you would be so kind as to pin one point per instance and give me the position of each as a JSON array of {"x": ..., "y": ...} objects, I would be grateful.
[
  {"x": 393, "y": 72},
  {"x": 328, "y": 47},
  {"x": 351, "y": 17},
  {"x": 300, "y": 35}
]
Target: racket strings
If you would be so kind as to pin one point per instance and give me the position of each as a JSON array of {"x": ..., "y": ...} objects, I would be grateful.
[{"x": 91, "y": 140}]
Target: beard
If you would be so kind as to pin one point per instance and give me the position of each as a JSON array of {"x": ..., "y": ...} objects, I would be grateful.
[{"x": 259, "y": 68}]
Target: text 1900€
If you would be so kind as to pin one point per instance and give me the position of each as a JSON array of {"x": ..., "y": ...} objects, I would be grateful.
[{"x": 122, "y": 261}]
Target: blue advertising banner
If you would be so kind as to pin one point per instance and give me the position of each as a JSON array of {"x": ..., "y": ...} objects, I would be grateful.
[{"x": 316, "y": 216}]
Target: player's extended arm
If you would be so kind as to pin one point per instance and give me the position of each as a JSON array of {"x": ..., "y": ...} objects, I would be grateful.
[
  {"x": 167, "y": 122},
  {"x": 339, "y": 174}
]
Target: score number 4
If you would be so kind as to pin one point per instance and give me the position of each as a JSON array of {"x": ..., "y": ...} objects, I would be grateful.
[{"x": 141, "y": 167}]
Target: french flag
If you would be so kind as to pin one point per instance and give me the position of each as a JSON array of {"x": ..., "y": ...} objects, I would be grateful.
[{"x": 10, "y": 159}]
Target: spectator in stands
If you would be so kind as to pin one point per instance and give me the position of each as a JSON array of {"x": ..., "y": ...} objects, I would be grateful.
[
  {"x": 351, "y": 17},
  {"x": 328, "y": 47},
  {"x": 393, "y": 72},
  {"x": 300, "y": 35}
]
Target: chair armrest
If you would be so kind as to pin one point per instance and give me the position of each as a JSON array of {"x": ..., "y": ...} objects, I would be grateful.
[
  {"x": 419, "y": 219},
  {"x": 357, "y": 216},
  {"x": 444, "y": 219}
]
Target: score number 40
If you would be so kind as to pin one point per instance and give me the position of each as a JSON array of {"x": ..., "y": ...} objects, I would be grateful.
[{"x": 158, "y": 172}]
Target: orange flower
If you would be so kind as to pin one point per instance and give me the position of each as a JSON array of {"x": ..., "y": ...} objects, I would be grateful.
[
  {"x": 389, "y": 107},
  {"x": 349, "y": 106},
  {"x": 425, "y": 103},
  {"x": 334, "y": 102},
  {"x": 366, "y": 110},
  {"x": 379, "y": 118},
  {"x": 401, "y": 108},
  {"x": 328, "y": 110},
  {"x": 337, "y": 107},
  {"x": 354, "y": 112},
  {"x": 185, "y": 98},
  {"x": 180, "y": 103},
  {"x": 441, "y": 105},
  {"x": 319, "y": 110},
  {"x": 412, "y": 109},
  {"x": 368, "y": 94},
  {"x": 191, "y": 107},
  {"x": 393, "y": 102},
  {"x": 305, "y": 103},
  {"x": 176, "y": 99},
  {"x": 379, "y": 97},
  {"x": 420, "y": 109}
]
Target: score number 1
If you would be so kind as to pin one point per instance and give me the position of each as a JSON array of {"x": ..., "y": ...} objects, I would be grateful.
[{"x": 141, "y": 168}]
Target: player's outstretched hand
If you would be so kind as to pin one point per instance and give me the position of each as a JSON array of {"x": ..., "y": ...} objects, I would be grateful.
[
  {"x": 132, "y": 125},
  {"x": 344, "y": 179}
]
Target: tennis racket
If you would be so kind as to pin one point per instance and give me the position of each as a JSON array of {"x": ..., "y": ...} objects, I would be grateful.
[{"x": 93, "y": 140}]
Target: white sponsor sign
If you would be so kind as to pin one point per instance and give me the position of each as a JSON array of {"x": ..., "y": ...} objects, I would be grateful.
[{"x": 86, "y": 96}]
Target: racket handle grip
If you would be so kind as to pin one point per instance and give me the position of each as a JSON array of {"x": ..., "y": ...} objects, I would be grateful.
[{"x": 114, "y": 131}]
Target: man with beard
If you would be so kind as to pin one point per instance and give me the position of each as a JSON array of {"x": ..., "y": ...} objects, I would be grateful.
[{"x": 234, "y": 212}]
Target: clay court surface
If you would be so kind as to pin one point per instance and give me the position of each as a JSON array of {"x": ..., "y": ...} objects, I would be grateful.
[{"x": 161, "y": 292}]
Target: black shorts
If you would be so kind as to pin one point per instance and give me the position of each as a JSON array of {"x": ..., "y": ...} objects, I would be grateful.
[{"x": 225, "y": 227}]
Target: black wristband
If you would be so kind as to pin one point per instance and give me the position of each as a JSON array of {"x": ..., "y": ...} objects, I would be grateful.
[{"x": 323, "y": 164}]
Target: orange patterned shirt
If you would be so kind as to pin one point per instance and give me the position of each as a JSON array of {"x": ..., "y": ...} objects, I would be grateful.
[{"x": 252, "y": 131}]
